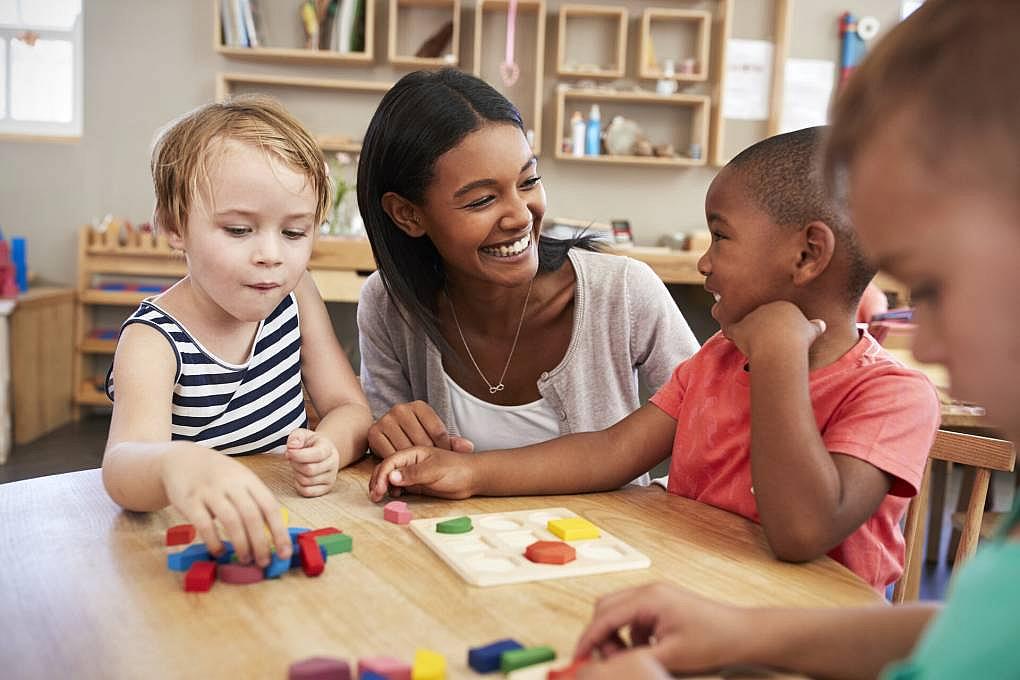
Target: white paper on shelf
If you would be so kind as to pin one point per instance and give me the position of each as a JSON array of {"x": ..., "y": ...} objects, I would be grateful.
[
  {"x": 748, "y": 79},
  {"x": 807, "y": 89}
]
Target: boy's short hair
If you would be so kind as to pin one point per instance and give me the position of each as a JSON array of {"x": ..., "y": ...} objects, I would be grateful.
[
  {"x": 783, "y": 175},
  {"x": 947, "y": 66},
  {"x": 183, "y": 149}
]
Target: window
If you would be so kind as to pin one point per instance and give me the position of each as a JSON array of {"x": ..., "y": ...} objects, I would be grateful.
[{"x": 41, "y": 69}]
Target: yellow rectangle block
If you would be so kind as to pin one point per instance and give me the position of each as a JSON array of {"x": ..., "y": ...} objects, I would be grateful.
[{"x": 573, "y": 529}]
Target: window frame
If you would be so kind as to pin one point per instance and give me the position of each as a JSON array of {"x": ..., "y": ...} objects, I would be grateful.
[{"x": 31, "y": 130}]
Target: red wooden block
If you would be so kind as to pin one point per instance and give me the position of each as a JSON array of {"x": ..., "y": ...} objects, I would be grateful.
[
  {"x": 550, "y": 552},
  {"x": 200, "y": 577},
  {"x": 325, "y": 531},
  {"x": 319, "y": 668},
  {"x": 396, "y": 512},
  {"x": 239, "y": 573},
  {"x": 181, "y": 534},
  {"x": 311, "y": 559},
  {"x": 568, "y": 673}
]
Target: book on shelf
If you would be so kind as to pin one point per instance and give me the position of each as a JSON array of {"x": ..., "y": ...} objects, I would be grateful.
[{"x": 240, "y": 22}]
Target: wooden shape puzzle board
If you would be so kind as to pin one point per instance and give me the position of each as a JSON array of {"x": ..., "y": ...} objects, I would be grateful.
[{"x": 492, "y": 553}]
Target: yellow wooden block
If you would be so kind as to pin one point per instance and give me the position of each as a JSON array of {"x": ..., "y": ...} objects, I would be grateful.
[
  {"x": 428, "y": 665},
  {"x": 573, "y": 529}
]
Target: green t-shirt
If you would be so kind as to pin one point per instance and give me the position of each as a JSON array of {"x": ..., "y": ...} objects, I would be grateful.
[{"x": 977, "y": 634}]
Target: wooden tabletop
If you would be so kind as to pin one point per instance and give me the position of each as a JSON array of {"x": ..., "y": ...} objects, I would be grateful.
[{"x": 85, "y": 591}]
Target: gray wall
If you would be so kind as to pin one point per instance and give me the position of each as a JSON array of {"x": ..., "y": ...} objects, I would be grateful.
[{"x": 147, "y": 61}]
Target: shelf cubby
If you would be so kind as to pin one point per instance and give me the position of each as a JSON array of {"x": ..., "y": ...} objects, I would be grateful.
[
  {"x": 679, "y": 119},
  {"x": 412, "y": 22},
  {"x": 677, "y": 34},
  {"x": 586, "y": 32},
  {"x": 490, "y": 28},
  {"x": 279, "y": 16}
]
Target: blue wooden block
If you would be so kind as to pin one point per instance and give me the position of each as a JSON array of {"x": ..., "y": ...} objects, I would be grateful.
[
  {"x": 182, "y": 561},
  {"x": 369, "y": 675},
  {"x": 277, "y": 566},
  {"x": 295, "y": 532},
  {"x": 487, "y": 659}
]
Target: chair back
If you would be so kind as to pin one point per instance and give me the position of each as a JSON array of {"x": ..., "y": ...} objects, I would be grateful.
[{"x": 984, "y": 454}]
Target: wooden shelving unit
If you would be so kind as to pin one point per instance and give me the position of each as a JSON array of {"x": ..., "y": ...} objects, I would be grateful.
[
  {"x": 114, "y": 252},
  {"x": 227, "y": 82},
  {"x": 531, "y": 81},
  {"x": 424, "y": 9},
  {"x": 698, "y": 22},
  {"x": 615, "y": 18},
  {"x": 695, "y": 105},
  {"x": 297, "y": 55}
]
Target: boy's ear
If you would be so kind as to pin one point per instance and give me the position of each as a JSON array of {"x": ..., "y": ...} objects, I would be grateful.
[
  {"x": 403, "y": 213},
  {"x": 817, "y": 246}
]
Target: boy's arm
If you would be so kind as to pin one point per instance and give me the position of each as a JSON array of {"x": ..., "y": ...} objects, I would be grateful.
[
  {"x": 327, "y": 375},
  {"x": 809, "y": 499},
  {"x": 144, "y": 470},
  {"x": 576, "y": 463}
]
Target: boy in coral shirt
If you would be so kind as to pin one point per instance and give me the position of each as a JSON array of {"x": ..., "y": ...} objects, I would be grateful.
[{"x": 789, "y": 416}]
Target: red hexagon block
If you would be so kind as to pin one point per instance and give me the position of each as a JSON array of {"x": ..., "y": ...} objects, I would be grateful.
[{"x": 550, "y": 552}]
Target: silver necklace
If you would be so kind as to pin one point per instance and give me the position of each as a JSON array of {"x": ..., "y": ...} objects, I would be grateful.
[{"x": 499, "y": 387}]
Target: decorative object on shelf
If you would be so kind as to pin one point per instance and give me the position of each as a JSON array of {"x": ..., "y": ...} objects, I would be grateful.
[
  {"x": 310, "y": 22},
  {"x": 436, "y": 43},
  {"x": 643, "y": 147},
  {"x": 509, "y": 71},
  {"x": 344, "y": 218},
  {"x": 622, "y": 235},
  {"x": 694, "y": 151},
  {"x": 621, "y": 135},
  {"x": 666, "y": 84},
  {"x": 593, "y": 133},
  {"x": 664, "y": 151},
  {"x": 577, "y": 127}
]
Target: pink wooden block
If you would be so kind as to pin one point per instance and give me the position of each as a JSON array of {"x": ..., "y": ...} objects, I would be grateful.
[
  {"x": 388, "y": 667},
  {"x": 396, "y": 512}
]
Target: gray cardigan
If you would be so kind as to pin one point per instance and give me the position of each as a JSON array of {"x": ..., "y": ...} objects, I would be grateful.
[{"x": 626, "y": 324}]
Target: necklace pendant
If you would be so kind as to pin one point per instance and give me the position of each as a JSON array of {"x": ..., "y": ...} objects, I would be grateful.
[{"x": 498, "y": 388}]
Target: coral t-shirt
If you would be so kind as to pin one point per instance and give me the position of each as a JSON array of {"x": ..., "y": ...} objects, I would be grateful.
[{"x": 867, "y": 405}]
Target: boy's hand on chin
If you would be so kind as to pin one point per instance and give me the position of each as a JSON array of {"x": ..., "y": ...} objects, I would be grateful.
[{"x": 774, "y": 327}]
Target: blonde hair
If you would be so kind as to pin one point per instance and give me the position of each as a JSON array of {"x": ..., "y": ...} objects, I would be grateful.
[
  {"x": 950, "y": 67},
  {"x": 183, "y": 150}
]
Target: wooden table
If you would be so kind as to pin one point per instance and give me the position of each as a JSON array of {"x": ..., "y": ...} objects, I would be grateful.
[{"x": 85, "y": 591}]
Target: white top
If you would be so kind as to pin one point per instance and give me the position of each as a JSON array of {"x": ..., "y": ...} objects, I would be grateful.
[{"x": 491, "y": 426}]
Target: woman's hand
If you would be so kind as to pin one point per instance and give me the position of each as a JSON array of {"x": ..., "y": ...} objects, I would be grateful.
[{"x": 413, "y": 424}]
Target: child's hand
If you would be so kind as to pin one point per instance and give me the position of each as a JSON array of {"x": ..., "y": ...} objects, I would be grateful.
[
  {"x": 315, "y": 462},
  {"x": 684, "y": 632},
  {"x": 413, "y": 424},
  {"x": 774, "y": 326},
  {"x": 423, "y": 470},
  {"x": 206, "y": 485}
]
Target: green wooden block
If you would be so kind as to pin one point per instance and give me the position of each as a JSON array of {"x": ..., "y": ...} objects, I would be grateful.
[
  {"x": 335, "y": 543},
  {"x": 457, "y": 525},
  {"x": 513, "y": 659}
]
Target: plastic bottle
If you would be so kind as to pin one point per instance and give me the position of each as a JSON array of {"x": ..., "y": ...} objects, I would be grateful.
[
  {"x": 593, "y": 133},
  {"x": 577, "y": 134}
]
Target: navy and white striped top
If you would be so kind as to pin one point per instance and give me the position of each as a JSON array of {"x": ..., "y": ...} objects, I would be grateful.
[{"x": 235, "y": 409}]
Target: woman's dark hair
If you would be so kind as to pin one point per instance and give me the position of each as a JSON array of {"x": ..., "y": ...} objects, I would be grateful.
[{"x": 424, "y": 115}]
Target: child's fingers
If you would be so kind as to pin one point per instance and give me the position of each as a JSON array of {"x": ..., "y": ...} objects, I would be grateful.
[
  {"x": 298, "y": 438},
  {"x": 269, "y": 509},
  {"x": 315, "y": 452},
  {"x": 380, "y": 476},
  {"x": 314, "y": 490},
  {"x": 315, "y": 469},
  {"x": 226, "y": 513},
  {"x": 198, "y": 516},
  {"x": 611, "y": 613},
  {"x": 314, "y": 480}
]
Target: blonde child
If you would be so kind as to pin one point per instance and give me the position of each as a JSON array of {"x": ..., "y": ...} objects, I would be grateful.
[
  {"x": 789, "y": 416},
  {"x": 216, "y": 364},
  {"x": 927, "y": 133}
]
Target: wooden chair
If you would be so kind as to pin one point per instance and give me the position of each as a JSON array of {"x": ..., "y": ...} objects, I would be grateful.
[{"x": 984, "y": 455}]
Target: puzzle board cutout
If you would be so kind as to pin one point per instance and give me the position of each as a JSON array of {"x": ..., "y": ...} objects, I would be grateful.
[{"x": 492, "y": 553}]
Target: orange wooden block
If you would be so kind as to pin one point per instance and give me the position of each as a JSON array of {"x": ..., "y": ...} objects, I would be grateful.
[{"x": 550, "y": 552}]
